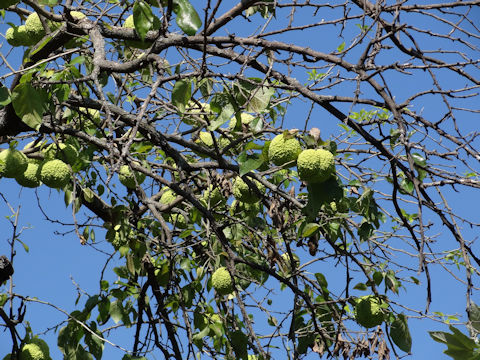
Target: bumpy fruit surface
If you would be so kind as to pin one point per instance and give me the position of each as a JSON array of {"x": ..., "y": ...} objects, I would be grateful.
[
  {"x": 178, "y": 220},
  {"x": 368, "y": 311},
  {"x": 207, "y": 139},
  {"x": 194, "y": 110},
  {"x": 18, "y": 36},
  {"x": 127, "y": 177},
  {"x": 31, "y": 177},
  {"x": 55, "y": 174},
  {"x": 77, "y": 15},
  {"x": 243, "y": 193},
  {"x": 62, "y": 151},
  {"x": 288, "y": 261},
  {"x": 167, "y": 197},
  {"x": 34, "y": 27},
  {"x": 212, "y": 196},
  {"x": 129, "y": 23},
  {"x": 36, "y": 349},
  {"x": 315, "y": 166},
  {"x": 222, "y": 281},
  {"x": 283, "y": 150},
  {"x": 12, "y": 163}
]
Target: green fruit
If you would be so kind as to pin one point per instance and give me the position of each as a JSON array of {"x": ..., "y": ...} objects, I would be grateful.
[
  {"x": 18, "y": 36},
  {"x": 288, "y": 260},
  {"x": 283, "y": 150},
  {"x": 122, "y": 238},
  {"x": 129, "y": 23},
  {"x": 368, "y": 311},
  {"x": 31, "y": 177},
  {"x": 222, "y": 281},
  {"x": 36, "y": 349},
  {"x": 77, "y": 15},
  {"x": 197, "y": 110},
  {"x": 168, "y": 196},
  {"x": 315, "y": 166},
  {"x": 55, "y": 174},
  {"x": 6, "y": 3},
  {"x": 244, "y": 117},
  {"x": 178, "y": 220},
  {"x": 212, "y": 196},
  {"x": 207, "y": 139},
  {"x": 243, "y": 193},
  {"x": 127, "y": 178},
  {"x": 62, "y": 151},
  {"x": 12, "y": 163},
  {"x": 34, "y": 28}
]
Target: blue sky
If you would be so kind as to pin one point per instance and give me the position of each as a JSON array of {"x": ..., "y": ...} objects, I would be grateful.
[{"x": 56, "y": 261}]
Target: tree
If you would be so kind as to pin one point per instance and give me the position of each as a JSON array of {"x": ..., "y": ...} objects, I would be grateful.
[{"x": 227, "y": 152}]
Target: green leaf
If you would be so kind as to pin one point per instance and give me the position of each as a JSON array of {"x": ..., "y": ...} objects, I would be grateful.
[
  {"x": 225, "y": 115},
  {"x": 377, "y": 277},
  {"x": 401, "y": 334},
  {"x": 116, "y": 311},
  {"x": 360, "y": 286},
  {"x": 181, "y": 94},
  {"x": 419, "y": 159},
  {"x": 94, "y": 343},
  {"x": 3, "y": 299},
  {"x": 187, "y": 17},
  {"x": 474, "y": 315},
  {"x": 457, "y": 338},
  {"x": 261, "y": 99},
  {"x": 248, "y": 163},
  {"x": 438, "y": 336},
  {"x": 310, "y": 229},
  {"x": 142, "y": 18},
  {"x": 202, "y": 334},
  {"x": 69, "y": 337},
  {"x": 29, "y": 104},
  {"x": 4, "y": 96},
  {"x": 341, "y": 47}
]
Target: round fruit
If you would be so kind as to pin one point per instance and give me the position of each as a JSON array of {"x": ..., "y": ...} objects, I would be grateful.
[
  {"x": 198, "y": 110},
  {"x": 315, "y": 166},
  {"x": 36, "y": 349},
  {"x": 222, "y": 281},
  {"x": 12, "y": 163},
  {"x": 168, "y": 196},
  {"x": 212, "y": 196},
  {"x": 243, "y": 193},
  {"x": 178, "y": 220},
  {"x": 34, "y": 27},
  {"x": 77, "y": 15},
  {"x": 127, "y": 178},
  {"x": 62, "y": 151},
  {"x": 31, "y": 177},
  {"x": 368, "y": 311},
  {"x": 288, "y": 260},
  {"x": 55, "y": 174},
  {"x": 283, "y": 150},
  {"x": 17, "y": 36}
]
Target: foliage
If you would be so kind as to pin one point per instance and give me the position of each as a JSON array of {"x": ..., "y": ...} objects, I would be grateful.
[{"x": 258, "y": 198}]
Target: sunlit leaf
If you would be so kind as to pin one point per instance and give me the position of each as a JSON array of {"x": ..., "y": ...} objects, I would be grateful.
[{"x": 187, "y": 17}]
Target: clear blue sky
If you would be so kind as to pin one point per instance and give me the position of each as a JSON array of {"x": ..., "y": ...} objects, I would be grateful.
[{"x": 56, "y": 261}]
